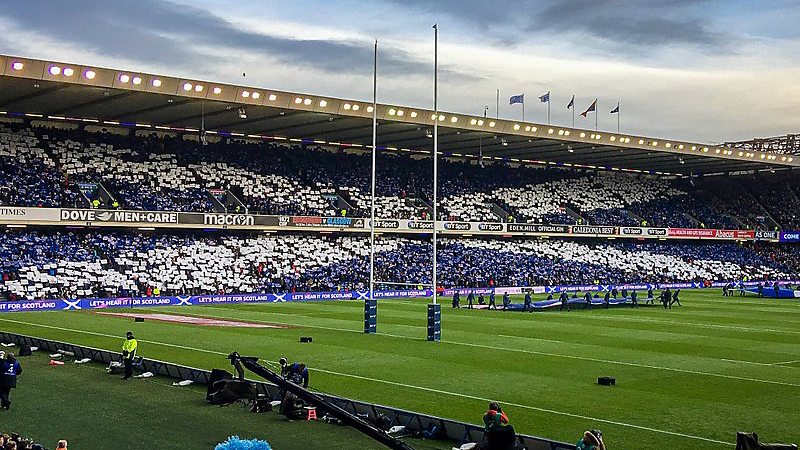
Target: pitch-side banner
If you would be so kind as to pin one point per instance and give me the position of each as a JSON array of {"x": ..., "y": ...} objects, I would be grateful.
[
  {"x": 194, "y": 300},
  {"x": 711, "y": 233},
  {"x": 790, "y": 236},
  {"x": 761, "y": 235},
  {"x": 643, "y": 231},
  {"x": 173, "y": 219},
  {"x": 21, "y": 214},
  {"x": 594, "y": 229}
]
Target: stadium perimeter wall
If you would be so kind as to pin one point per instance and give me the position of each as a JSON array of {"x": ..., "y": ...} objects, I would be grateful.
[
  {"x": 458, "y": 431},
  {"x": 16, "y": 216}
]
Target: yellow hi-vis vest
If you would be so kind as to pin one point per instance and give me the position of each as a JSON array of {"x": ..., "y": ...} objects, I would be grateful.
[{"x": 130, "y": 347}]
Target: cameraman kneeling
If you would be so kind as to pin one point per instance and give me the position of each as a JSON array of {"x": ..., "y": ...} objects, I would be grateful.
[{"x": 592, "y": 440}]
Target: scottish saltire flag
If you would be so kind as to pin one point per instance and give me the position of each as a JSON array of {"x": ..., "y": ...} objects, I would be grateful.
[
  {"x": 545, "y": 98},
  {"x": 591, "y": 108},
  {"x": 516, "y": 99},
  {"x": 571, "y": 103},
  {"x": 615, "y": 110}
]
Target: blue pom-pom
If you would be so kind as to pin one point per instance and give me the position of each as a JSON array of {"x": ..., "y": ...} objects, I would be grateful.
[{"x": 234, "y": 443}]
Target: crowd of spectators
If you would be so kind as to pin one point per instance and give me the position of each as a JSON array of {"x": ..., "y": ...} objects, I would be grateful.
[
  {"x": 78, "y": 264},
  {"x": 44, "y": 167},
  {"x": 16, "y": 442}
]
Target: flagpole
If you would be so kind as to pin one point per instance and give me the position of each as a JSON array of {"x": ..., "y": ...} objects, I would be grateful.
[
  {"x": 573, "y": 111},
  {"x": 618, "y": 113},
  {"x": 596, "y": 112},
  {"x": 523, "y": 109},
  {"x": 497, "y": 107},
  {"x": 374, "y": 151},
  {"x": 436, "y": 143},
  {"x": 548, "y": 107}
]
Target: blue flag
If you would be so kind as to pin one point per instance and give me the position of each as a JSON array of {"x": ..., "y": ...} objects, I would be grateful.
[
  {"x": 516, "y": 99},
  {"x": 545, "y": 98},
  {"x": 571, "y": 103},
  {"x": 615, "y": 110}
]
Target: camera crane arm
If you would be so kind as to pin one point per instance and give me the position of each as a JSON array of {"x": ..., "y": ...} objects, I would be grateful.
[{"x": 348, "y": 418}]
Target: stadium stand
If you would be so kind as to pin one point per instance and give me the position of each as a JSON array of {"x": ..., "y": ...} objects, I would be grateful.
[
  {"x": 54, "y": 264},
  {"x": 53, "y": 167}
]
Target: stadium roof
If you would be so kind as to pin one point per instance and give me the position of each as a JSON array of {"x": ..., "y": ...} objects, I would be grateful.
[{"x": 76, "y": 92}]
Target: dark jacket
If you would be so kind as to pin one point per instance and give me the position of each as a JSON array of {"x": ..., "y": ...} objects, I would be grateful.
[{"x": 9, "y": 369}]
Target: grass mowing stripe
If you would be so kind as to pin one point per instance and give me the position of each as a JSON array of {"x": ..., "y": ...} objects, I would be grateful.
[
  {"x": 405, "y": 385},
  {"x": 534, "y": 408},
  {"x": 624, "y": 319},
  {"x": 535, "y": 352},
  {"x": 703, "y": 325}
]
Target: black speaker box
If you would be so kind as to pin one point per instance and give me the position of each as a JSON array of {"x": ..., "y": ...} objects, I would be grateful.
[{"x": 606, "y": 381}]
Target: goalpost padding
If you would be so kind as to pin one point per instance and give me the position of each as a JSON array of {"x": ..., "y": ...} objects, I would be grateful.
[{"x": 370, "y": 316}]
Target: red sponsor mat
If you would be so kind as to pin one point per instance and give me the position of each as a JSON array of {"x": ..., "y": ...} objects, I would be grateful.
[{"x": 192, "y": 320}]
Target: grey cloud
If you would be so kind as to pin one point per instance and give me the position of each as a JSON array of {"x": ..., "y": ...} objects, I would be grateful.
[
  {"x": 622, "y": 22},
  {"x": 168, "y": 33}
]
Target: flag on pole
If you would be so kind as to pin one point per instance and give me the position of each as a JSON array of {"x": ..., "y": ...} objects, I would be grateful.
[
  {"x": 571, "y": 103},
  {"x": 516, "y": 99},
  {"x": 615, "y": 110},
  {"x": 591, "y": 108},
  {"x": 545, "y": 98}
]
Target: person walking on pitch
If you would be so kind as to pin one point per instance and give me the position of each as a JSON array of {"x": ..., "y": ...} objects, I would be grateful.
[{"x": 564, "y": 301}]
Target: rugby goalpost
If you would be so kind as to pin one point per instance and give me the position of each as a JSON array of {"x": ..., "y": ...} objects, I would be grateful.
[{"x": 370, "y": 304}]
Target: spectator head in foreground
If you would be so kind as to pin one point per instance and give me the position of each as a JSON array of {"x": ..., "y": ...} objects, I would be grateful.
[
  {"x": 591, "y": 440},
  {"x": 62, "y": 444}
]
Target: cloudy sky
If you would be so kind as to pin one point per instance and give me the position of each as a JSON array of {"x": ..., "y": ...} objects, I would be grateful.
[{"x": 706, "y": 70}]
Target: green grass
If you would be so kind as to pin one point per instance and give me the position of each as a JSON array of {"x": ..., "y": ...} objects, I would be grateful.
[
  {"x": 689, "y": 377},
  {"x": 94, "y": 410}
]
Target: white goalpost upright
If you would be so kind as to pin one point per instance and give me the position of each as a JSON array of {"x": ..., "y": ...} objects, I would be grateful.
[
  {"x": 434, "y": 310},
  {"x": 371, "y": 305}
]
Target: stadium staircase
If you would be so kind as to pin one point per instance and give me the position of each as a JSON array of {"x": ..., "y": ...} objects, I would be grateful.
[
  {"x": 344, "y": 201},
  {"x": 501, "y": 213},
  {"x": 736, "y": 220},
  {"x": 639, "y": 219},
  {"x": 230, "y": 199},
  {"x": 217, "y": 197},
  {"x": 770, "y": 221},
  {"x": 421, "y": 205},
  {"x": 575, "y": 215},
  {"x": 697, "y": 223}
]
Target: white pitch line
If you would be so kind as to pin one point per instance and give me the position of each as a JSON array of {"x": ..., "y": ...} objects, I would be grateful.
[
  {"x": 555, "y": 355},
  {"x": 745, "y": 362},
  {"x": 784, "y": 362},
  {"x": 531, "y": 338},
  {"x": 394, "y": 383}
]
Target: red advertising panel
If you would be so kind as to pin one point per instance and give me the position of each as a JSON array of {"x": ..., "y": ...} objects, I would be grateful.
[
  {"x": 717, "y": 234},
  {"x": 691, "y": 232}
]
